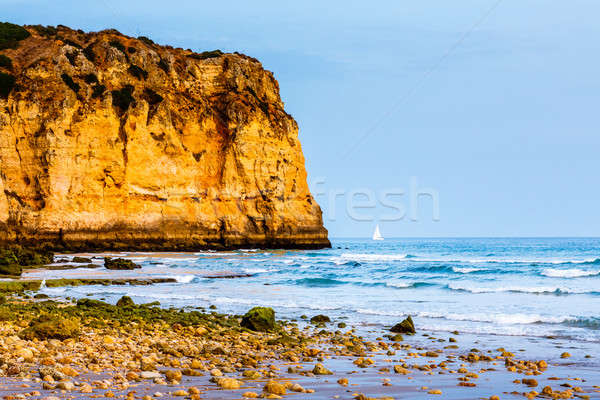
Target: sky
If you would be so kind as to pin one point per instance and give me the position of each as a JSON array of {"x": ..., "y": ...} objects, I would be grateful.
[{"x": 472, "y": 117}]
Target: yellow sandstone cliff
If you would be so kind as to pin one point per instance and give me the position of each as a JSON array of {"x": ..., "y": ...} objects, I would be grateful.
[{"x": 112, "y": 142}]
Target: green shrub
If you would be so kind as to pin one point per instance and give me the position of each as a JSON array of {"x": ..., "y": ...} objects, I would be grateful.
[
  {"x": 117, "y": 45},
  {"x": 70, "y": 83},
  {"x": 89, "y": 53},
  {"x": 45, "y": 30},
  {"x": 123, "y": 98},
  {"x": 69, "y": 42},
  {"x": 206, "y": 54},
  {"x": 90, "y": 78},
  {"x": 5, "y": 62},
  {"x": 162, "y": 64},
  {"x": 137, "y": 72},
  {"x": 7, "y": 82},
  {"x": 11, "y": 34},
  {"x": 146, "y": 40},
  {"x": 98, "y": 90},
  {"x": 152, "y": 97}
]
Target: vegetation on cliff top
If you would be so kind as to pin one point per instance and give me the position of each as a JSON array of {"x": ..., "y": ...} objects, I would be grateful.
[
  {"x": 123, "y": 98},
  {"x": 5, "y": 62},
  {"x": 11, "y": 35},
  {"x": 7, "y": 82},
  {"x": 206, "y": 55}
]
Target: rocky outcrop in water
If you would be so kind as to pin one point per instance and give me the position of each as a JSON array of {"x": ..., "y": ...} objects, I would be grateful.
[{"x": 113, "y": 142}]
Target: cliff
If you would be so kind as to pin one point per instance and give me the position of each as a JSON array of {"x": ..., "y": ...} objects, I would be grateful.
[{"x": 113, "y": 142}]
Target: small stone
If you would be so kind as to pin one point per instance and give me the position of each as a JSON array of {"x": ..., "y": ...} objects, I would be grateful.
[
  {"x": 406, "y": 326},
  {"x": 85, "y": 388},
  {"x": 147, "y": 364},
  {"x": 173, "y": 375},
  {"x": 179, "y": 393},
  {"x": 274, "y": 388},
  {"x": 250, "y": 395},
  {"x": 67, "y": 385},
  {"x": 565, "y": 355},
  {"x": 251, "y": 374},
  {"x": 296, "y": 388},
  {"x": 150, "y": 375},
  {"x": 399, "y": 369},
  {"x": 229, "y": 383},
  {"x": 529, "y": 382},
  {"x": 435, "y": 391},
  {"x": 26, "y": 354},
  {"x": 320, "y": 369},
  {"x": 320, "y": 319},
  {"x": 216, "y": 372},
  {"x": 343, "y": 381}
]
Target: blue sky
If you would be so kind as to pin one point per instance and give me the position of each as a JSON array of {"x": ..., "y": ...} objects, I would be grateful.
[{"x": 503, "y": 123}]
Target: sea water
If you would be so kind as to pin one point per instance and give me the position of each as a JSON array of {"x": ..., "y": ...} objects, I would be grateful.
[{"x": 531, "y": 287}]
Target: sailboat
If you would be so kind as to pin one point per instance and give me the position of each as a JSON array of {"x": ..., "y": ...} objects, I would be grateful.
[{"x": 377, "y": 234}]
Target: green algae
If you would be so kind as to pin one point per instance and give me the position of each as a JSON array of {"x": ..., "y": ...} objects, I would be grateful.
[{"x": 260, "y": 319}]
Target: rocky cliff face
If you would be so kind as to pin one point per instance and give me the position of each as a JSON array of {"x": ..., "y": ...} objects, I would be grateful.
[{"x": 112, "y": 142}]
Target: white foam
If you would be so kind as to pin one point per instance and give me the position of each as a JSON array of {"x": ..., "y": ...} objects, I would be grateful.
[
  {"x": 257, "y": 270},
  {"x": 568, "y": 273},
  {"x": 523, "y": 289},
  {"x": 369, "y": 257},
  {"x": 503, "y": 260},
  {"x": 182, "y": 278},
  {"x": 466, "y": 270},
  {"x": 399, "y": 284},
  {"x": 500, "y": 319}
]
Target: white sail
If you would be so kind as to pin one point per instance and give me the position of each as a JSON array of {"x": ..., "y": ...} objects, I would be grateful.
[{"x": 377, "y": 234}]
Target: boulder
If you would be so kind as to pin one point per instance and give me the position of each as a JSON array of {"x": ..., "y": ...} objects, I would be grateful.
[
  {"x": 11, "y": 269},
  {"x": 260, "y": 319},
  {"x": 407, "y": 326},
  {"x": 320, "y": 319},
  {"x": 51, "y": 327},
  {"x": 81, "y": 260},
  {"x": 119, "y": 264},
  {"x": 125, "y": 301}
]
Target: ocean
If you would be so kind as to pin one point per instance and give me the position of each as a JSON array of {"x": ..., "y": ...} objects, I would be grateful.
[{"x": 529, "y": 287}]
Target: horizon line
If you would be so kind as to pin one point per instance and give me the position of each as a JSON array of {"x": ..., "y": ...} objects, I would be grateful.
[{"x": 468, "y": 237}]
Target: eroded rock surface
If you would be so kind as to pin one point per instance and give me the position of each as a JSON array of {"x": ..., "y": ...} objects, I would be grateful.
[{"x": 113, "y": 142}]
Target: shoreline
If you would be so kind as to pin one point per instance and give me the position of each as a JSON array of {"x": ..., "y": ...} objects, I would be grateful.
[{"x": 114, "y": 344}]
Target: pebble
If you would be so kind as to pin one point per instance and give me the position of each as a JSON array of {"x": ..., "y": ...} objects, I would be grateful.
[
  {"x": 229, "y": 383},
  {"x": 320, "y": 369},
  {"x": 150, "y": 375},
  {"x": 274, "y": 388},
  {"x": 67, "y": 385}
]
